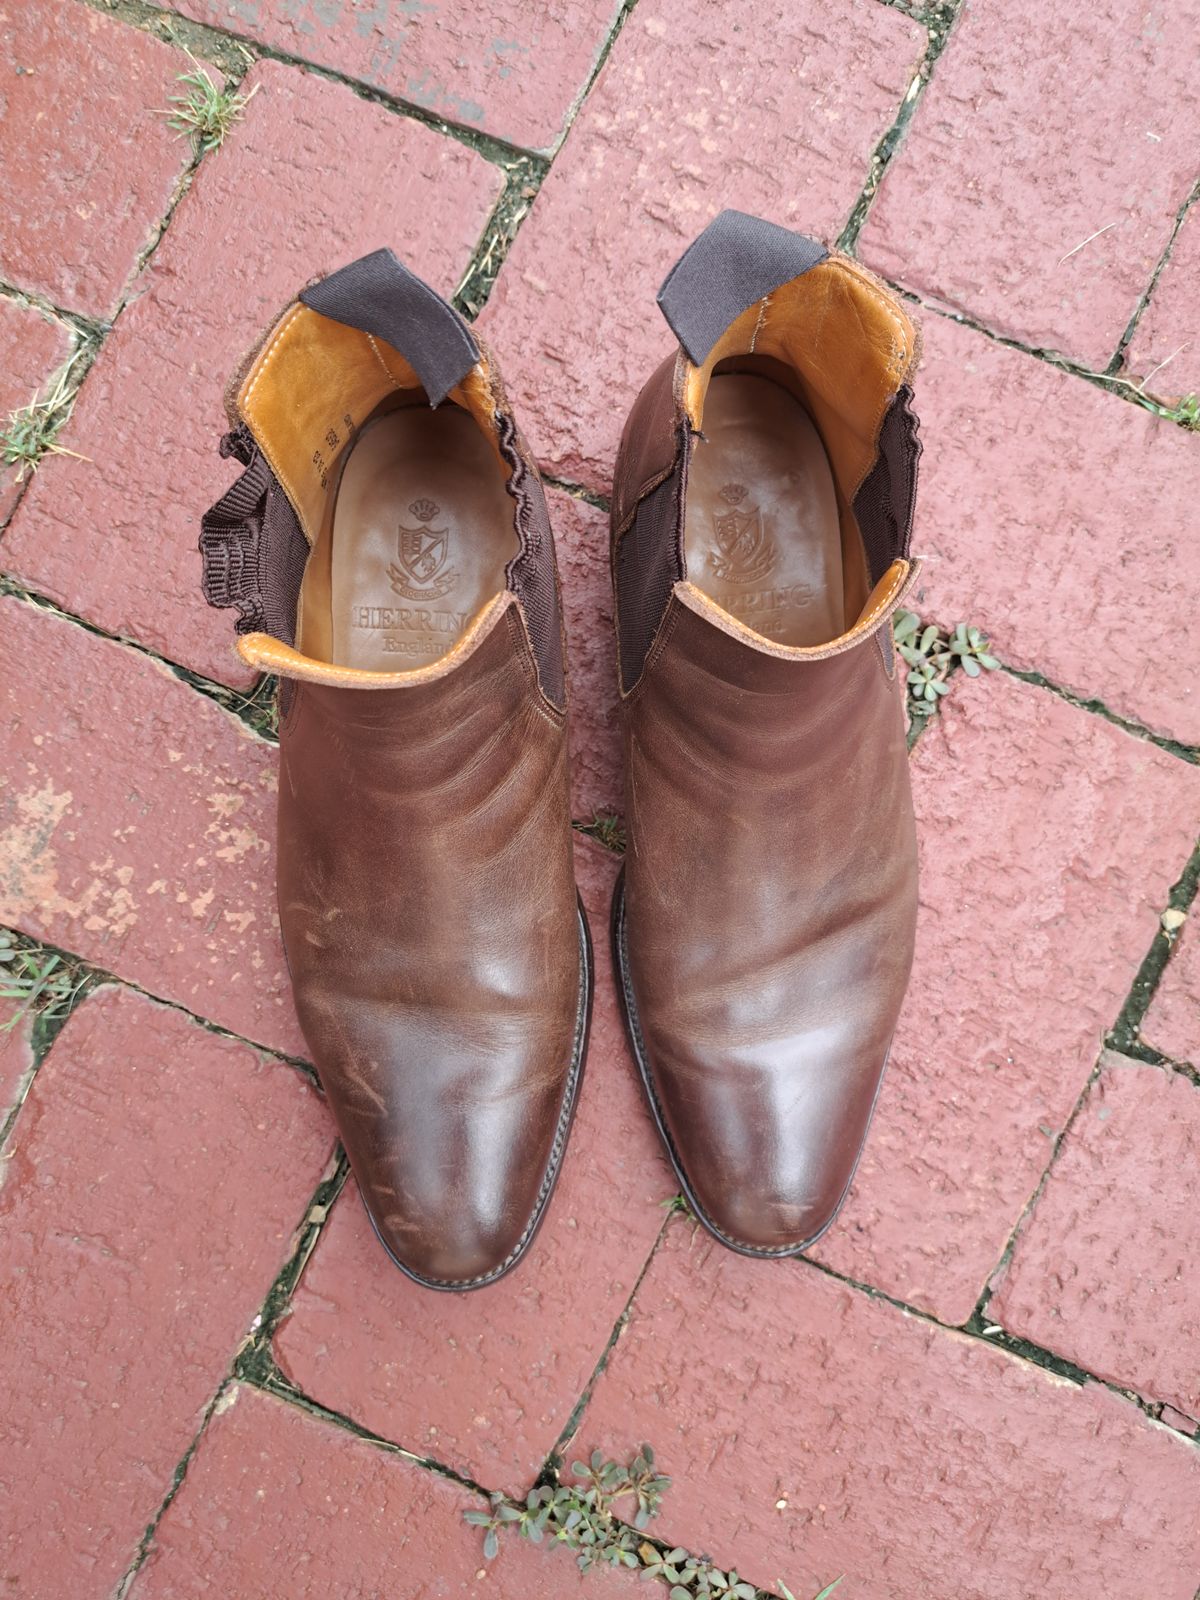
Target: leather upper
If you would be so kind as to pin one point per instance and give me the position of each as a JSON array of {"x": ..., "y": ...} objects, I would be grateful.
[
  {"x": 428, "y": 908},
  {"x": 770, "y": 904},
  {"x": 764, "y": 929}
]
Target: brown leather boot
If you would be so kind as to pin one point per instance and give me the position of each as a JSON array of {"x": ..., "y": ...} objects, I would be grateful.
[
  {"x": 763, "y": 932},
  {"x": 389, "y": 552}
]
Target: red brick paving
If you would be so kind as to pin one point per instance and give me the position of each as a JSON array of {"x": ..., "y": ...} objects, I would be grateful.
[
  {"x": 276, "y": 1502},
  {"x": 252, "y": 230},
  {"x": 1038, "y": 523},
  {"x": 32, "y": 346},
  {"x": 692, "y": 112},
  {"x": 93, "y": 167},
  {"x": 1017, "y": 155},
  {"x": 1172, "y": 1023},
  {"x": 137, "y": 826},
  {"x": 1049, "y": 839},
  {"x": 581, "y": 539},
  {"x": 1169, "y": 331},
  {"x": 910, "y": 1458},
  {"x": 1103, "y": 1272},
  {"x": 485, "y": 1382},
  {"x": 508, "y": 69},
  {"x": 155, "y": 1175}
]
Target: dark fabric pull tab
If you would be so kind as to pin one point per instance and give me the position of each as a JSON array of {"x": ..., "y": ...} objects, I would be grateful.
[
  {"x": 379, "y": 295},
  {"x": 736, "y": 260}
]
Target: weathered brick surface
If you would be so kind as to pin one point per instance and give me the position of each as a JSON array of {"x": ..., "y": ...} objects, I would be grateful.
[
  {"x": 774, "y": 109},
  {"x": 508, "y": 69},
  {"x": 1172, "y": 1023},
  {"x": 1104, "y": 1269},
  {"x": 1165, "y": 348},
  {"x": 485, "y": 1382},
  {"x": 259, "y": 221},
  {"x": 812, "y": 1431},
  {"x": 1034, "y": 134},
  {"x": 1058, "y": 517},
  {"x": 1048, "y": 839},
  {"x": 91, "y": 164},
  {"x": 16, "y": 1052},
  {"x": 137, "y": 826},
  {"x": 155, "y": 1175},
  {"x": 32, "y": 346},
  {"x": 277, "y": 1503},
  {"x": 581, "y": 538}
]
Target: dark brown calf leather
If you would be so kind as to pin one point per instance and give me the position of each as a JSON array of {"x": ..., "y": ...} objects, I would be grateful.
[
  {"x": 439, "y": 955},
  {"x": 763, "y": 928}
]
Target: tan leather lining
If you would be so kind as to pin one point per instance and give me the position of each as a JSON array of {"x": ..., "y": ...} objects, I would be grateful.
[
  {"x": 762, "y": 532},
  {"x": 850, "y": 346},
  {"x": 268, "y": 654},
  {"x": 313, "y": 383},
  {"x": 883, "y": 600}
]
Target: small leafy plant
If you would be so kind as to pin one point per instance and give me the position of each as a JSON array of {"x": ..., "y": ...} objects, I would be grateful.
[
  {"x": 31, "y": 430},
  {"x": 37, "y": 979},
  {"x": 930, "y": 656},
  {"x": 1187, "y": 412},
  {"x": 205, "y": 111},
  {"x": 598, "y": 1515}
]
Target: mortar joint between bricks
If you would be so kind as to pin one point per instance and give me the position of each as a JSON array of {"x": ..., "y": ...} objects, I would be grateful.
[
  {"x": 1122, "y": 388},
  {"x": 1125, "y": 1034},
  {"x": 234, "y": 54},
  {"x": 1114, "y": 366},
  {"x": 938, "y": 21}
]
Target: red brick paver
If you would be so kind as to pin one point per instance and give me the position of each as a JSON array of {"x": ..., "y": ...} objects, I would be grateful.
[
  {"x": 255, "y": 226},
  {"x": 1165, "y": 349},
  {"x": 1049, "y": 839},
  {"x": 137, "y": 826},
  {"x": 812, "y": 1431},
  {"x": 507, "y": 68},
  {"x": 773, "y": 108},
  {"x": 276, "y": 1503},
  {"x": 1104, "y": 1270},
  {"x": 1058, "y": 517},
  {"x": 32, "y": 346},
  {"x": 1172, "y": 1023},
  {"x": 1040, "y": 127},
  {"x": 156, "y": 1173},
  {"x": 581, "y": 539},
  {"x": 485, "y": 1382},
  {"x": 91, "y": 164}
]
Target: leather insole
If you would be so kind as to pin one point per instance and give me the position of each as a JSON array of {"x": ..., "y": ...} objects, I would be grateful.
[
  {"x": 421, "y": 533},
  {"x": 762, "y": 536}
]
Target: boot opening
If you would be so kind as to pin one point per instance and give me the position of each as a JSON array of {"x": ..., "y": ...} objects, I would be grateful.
[
  {"x": 788, "y": 409},
  {"x": 407, "y": 509}
]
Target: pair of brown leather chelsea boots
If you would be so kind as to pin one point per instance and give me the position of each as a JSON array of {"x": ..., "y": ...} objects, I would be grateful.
[{"x": 390, "y": 555}]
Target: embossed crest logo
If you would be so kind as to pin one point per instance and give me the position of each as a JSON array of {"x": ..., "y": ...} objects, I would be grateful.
[
  {"x": 743, "y": 552},
  {"x": 419, "y": 572}
]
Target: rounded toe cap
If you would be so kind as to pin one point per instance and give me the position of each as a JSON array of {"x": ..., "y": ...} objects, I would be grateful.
[{"x": 768, "y": 1152}]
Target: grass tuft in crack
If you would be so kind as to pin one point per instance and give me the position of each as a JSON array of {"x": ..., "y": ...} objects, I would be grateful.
[
  {"x": 42, "y": 982},
  {"x": 606, "y": 830},
  {"x": 205, "y": 111},
  {"x": 599, "y": 1514},
  {"x": 31, "y": 431},
  {"x": 931, "y": 655}
]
